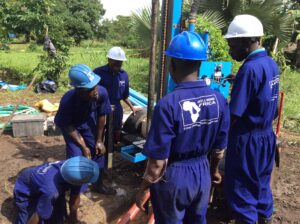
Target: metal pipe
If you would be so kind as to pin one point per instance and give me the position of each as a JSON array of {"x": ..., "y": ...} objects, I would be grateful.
[
  {"x": 163, "y": 45},
  {"x": 152, "y": 64},
  {"x": 110, "y": 138},
  {"x": 192, "y": 15}
]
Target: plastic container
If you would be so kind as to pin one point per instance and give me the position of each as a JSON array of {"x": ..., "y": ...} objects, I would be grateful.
[{"x": 27, "y": 125}]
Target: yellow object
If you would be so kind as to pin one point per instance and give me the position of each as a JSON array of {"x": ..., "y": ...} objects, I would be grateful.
[{"x": 46, "y": 106}]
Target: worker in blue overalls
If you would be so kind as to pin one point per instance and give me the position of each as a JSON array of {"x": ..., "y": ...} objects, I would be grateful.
[
  {"x": 187, "y": 125},
  {"x": 82, "y": 117},
  {"x": 39, "y": 191},
  {"x": 251, "y": 144},
  {"x": 115, "y": 80}
]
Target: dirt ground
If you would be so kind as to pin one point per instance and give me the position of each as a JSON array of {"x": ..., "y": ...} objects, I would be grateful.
[{"x": 19, "y": 153}]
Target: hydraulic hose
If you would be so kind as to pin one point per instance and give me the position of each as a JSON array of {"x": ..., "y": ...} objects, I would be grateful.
[{"x": 192, "y": 15}]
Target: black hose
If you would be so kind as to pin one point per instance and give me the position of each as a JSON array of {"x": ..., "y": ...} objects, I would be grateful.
[{"x": 194, "y": 9}]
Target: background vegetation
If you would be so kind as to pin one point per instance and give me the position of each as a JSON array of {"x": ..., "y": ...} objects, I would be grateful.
[{"x": 81, "y": 35}]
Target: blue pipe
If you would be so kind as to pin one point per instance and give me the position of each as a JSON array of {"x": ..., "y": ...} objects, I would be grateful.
[
  {"x": 136, "y": 102},
  {"x": 138, "y": 96},
  {"x": 191, "y": 27}
]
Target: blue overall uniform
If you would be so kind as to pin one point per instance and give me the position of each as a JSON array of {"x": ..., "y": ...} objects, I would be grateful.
[
  {"x": 186, "y": 125},
  {"x": 251, "y": 144},
  {"x": 118, "y": 89},
  {"x": 83, "y": 116},
  {"x": 42, "y": 190}
]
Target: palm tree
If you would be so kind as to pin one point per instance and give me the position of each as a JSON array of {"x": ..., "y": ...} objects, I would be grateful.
[
  {"x": 141, "y": 21},
  {"x": 271, "y": 13}
]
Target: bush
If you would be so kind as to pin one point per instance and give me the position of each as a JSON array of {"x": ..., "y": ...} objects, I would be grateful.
[
  {"x": 32, "y": 47},
  {"x": 52, "y": 67},
  {"x": 289, "y": 83},
  {"x": 4, "y": 45},
  {"x": 219, "y": 49},
  {"x": 14, "y": 76}
]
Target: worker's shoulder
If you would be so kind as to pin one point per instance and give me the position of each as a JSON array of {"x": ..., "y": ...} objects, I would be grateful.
[
  {"x": 69, "y": 94},
  {"x": 123, "y": 73},
  {"x": 264, "y": 61},
  {"x": 222, "y": 101},
  {"x": 177, "y": 96},
  {"x": 101, "y": 69},
  {"x": 256, "y": 69},
  {"x": 217, "y": 94},
  {"x": 102, "y": 90}
]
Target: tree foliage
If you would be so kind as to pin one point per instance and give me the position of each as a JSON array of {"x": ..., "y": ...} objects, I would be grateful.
[
  {"x": 75, "y": 18},
  {"x": 272, "y": 13},
  {"x": 25, "y": 17},
  {"x": 120, "y": 32},
  {"x": 219, "y": 49}
]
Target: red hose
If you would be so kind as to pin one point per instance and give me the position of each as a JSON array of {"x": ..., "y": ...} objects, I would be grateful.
[
  {"x": 132, "y": 212},
  {"x": 281, "y": 93},
  {"x": 151, "y": 220}
]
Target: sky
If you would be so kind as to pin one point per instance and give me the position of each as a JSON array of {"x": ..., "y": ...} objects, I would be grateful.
[{"x": 122, "y": 7}]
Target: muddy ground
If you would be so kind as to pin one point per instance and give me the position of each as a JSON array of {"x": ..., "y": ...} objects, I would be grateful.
[{"x": 19, "y": 153}]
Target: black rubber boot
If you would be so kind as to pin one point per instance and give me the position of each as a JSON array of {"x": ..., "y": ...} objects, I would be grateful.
[
  {"x": 100, "y": 188},
  {"x": 264, "y": 220}
]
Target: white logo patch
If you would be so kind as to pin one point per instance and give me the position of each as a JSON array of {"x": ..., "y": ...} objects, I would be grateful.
[
  {"x": 199, "y": 111},
  {"x": 42, "y": 170},
  {"x": 121, "y": 83},
  {"x": 90, "y": 76},
  {"x": 274, "y": 81}
]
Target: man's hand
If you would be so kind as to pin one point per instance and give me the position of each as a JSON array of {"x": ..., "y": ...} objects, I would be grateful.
[
  {"x": 100, "y": 148},
  {"x": 135, "y": 109},
  {"x": 86, "y": 152},
  {"x": 141, "y": 198},
  {"x": 216, "y": 177}
]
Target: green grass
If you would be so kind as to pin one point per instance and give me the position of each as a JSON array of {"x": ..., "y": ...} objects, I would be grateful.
[
  {"x": 20, "y": 62},
  {"x": 17, "y": 64},
  {"x": 290, "y": 85}
]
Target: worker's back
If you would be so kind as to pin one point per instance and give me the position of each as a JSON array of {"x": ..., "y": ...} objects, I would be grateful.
[
  {"x": 195, "y": 119},
  {"x": 256, "y": 107}
]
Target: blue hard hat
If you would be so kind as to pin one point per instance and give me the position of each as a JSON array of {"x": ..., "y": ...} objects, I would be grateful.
[
  {"x": 80, "y": 170},
  {"x": 82, "y": 76},
  {"x": 187, "y": 45}
]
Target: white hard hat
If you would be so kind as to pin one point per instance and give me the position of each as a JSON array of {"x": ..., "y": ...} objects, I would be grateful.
[
  {"x": 116, "y": 53},
  {"x": 245, "y": 26}
]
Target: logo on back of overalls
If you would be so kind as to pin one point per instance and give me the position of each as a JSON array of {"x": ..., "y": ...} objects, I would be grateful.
[
  {"x": 199, "y": 111},
  {"x": 121, "y": 83},
  {"x": 274, "y": 81},
  {"x": 46, "y": 167}
]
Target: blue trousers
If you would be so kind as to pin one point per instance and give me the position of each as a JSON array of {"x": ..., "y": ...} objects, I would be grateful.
[
  {"x": 27, "y": 204},
  {"x": 248, "y": 168},
  {"x": 72, "y": 149},
  {"x": 183, "y": 193},
  {"x": 118, "y": 116}
]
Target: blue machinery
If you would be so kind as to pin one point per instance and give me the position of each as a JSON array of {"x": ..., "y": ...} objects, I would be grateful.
[{"x": 214, "y": 73}]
